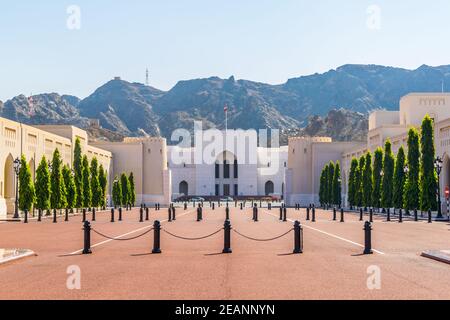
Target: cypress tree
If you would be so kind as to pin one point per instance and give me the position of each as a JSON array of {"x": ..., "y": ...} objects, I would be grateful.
[
  {"x": 117, "y": 192},
  {"x": 359, "y": 182},
  {"x": 412, "y": 192},
  {"x": 103, "y": 181},
  {"x": 43, "y": 185},
  {"x": 367, "y": 185},
  {"x": 87, "y": 193},
  {"x": 337, "y": 187},
  {"x": 330, "y": 183},
  {"x": 388, "y": 177},
  {"x": 58, "y": 190},
  {"x": 325, "y": 186},
  {"x": 95, "y": 184},
  {"x": 352, "y": 183},
  {"x": 69, "y": 183},
  {"x": 323, "y": 182},
  {"x": 132, "y": 190},
  {"x": 428, "y": 175},
  {"x": 125, "y": 187},
  {"x": 399, "y": 180},
  {"x": 376, "y": 177},
  {"x": 27, "y": 194},
  {"x": 78, "y": 172}
]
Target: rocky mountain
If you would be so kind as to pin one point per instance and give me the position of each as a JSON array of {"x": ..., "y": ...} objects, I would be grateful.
[{"x": 312, "y": 103}]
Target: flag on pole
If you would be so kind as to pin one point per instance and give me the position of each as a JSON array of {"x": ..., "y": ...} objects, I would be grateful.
[{"x": 225, "y": 109}]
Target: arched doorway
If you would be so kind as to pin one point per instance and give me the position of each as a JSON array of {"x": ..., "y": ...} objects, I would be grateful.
[
  {"x": 270, "y": 188},
  {"x": 184, "y": 188},
  {"x": 9, "y": 184}
]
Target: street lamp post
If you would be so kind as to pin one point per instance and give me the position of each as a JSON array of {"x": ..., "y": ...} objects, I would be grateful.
[
  {"x": 340, "y": 196},
  {"x": 438, "y": 166},
  {"x": 16, "y": 171}
]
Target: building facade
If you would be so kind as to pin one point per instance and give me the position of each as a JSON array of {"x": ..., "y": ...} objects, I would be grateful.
[{"x": 244, "y": 168}]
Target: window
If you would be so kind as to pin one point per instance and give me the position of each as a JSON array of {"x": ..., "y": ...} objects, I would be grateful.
[
  {"x": 226, "y": 170},
  {"x": 236, "y": 170},
  {"x": 236, "y": 190},
  {"x": 217, "y": 171},
  {"x": 217, "y": 190}
]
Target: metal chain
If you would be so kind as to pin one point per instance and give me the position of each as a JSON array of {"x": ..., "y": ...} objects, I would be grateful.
[
  {"x": 192, "y": 239},
  {"x": 263, "y": 240},
  {"x": 121, "y": 239}
]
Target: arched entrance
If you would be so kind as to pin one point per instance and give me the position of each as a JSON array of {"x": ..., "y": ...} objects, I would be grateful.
[
  {"x": 184, "y": 188},
  {"x": 270, "y": 188},
  {"x": 9, "y": 184}
]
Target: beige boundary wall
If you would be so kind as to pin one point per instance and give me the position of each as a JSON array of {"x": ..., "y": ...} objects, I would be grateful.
[{"x": 35, "y": 142}]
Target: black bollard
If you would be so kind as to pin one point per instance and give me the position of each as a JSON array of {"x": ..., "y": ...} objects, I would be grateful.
[
  {"x": 416, "y": 216},
  {"x": 147, "y": 214},
  {"x": 25, "y": 220},
  {"x": 214, "y": 206},
  {"x": 156, "y": 207},
  {"x": 54, "y": 216},
  {"x": 141, "y": 215},
  {"x": 342, "y": 215},
  {"x": 400, "y": 216},
  {"x": 281, "y": 213},
  {"x": 242, "y": 207},
  {"x": 67, "y": 215},
  {"x": 298, "y": 238},
  {"x": 430, "y": 217},
  {"x": 255, "y": 213},
  {"x": 156, "y": 237},
  {"x": 361, "y": 214},
  {"x": 39, "y": 215},
  {"x": 334, "y": 214},
  {"x": 174, "y": 214},
  {"x": 93, "y": 214},
  {"x": 389, "y": 215},
  {"x": 227, "y": 237},
  {"x": 285, "y": 214},
  {"x": 313, "y": 214},
  {"x": 87, "y": 238},
  {"x": 227, "y": 213},
  {"x": 199, "y": 215},
  {"x": 84, "y": 215},
  {"x": 170, "y": 214},
  {"x": 120, "y": 214},
  {"x": 371, "y": 215},
  {"x": 185, "y": 206},
  {"x": 368, "y": 238},
  {"x": 308, "y": 210},
  {"x": 112, "y": 215}
]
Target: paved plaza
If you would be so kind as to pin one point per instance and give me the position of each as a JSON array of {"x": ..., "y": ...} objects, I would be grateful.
[{"x": 331, "y": 267}]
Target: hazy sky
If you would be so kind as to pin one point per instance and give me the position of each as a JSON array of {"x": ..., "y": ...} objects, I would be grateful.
[{"x": 261, "y": 40}]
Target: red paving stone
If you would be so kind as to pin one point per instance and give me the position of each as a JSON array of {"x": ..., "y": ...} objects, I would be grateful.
[{"x": 331, "y": 267}]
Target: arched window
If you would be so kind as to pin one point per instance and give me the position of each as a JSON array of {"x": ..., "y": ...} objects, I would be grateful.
[
  {"x": 270, "y": 188},
  {"x": 184, "y": 188}
]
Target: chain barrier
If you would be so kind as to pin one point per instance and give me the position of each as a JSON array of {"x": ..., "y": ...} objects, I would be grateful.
[
  {"x": 192, "y": 239},
  {"x": 262, "y": 240},
  {"x": 122, "y": 239}
]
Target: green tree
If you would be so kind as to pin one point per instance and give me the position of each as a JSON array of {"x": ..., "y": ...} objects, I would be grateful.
[
  {"x": 43, "y": 185},
  {"x": 352, "y": 187},
  {"x": 27, "y": 194},
  {"x": 376, "y": 177},
  {"x": 95, "y": 184},
  {"x": 132, "y": 190},
  {"x": 367, "y": 185},
  {"x": 117, "y": 192},
  {"x": 323, "y": 186},
  {"x": 428, "y": 175},
  {"x": 412, "y": 192},
  {"x": 359, "y": 199},
  {"x": 399, "y": 180},
  {"x": 330, "y": 183},
  {"x": 58, "y": 190},
  {"x": 125, "y": 186},
  {"x": 87, "y": 193},
  {"x": 78, "y": 172},
  {"x": 337, "y": 185},
  {"x": 103, "y": 181},
  {"x": 69, "y": 183},
  {"x": 388, "y": 176}
]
